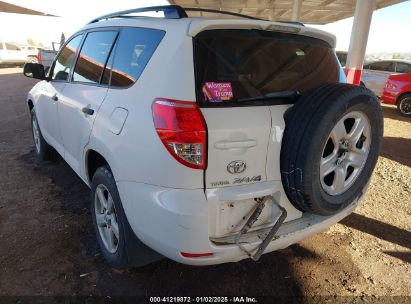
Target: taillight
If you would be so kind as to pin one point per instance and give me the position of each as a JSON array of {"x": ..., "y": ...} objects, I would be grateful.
[
  {"x": 390, "y": 86},
  {"x": 182, "y": 129}
]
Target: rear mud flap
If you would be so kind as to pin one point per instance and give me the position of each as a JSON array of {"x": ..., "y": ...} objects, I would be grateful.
[{"x": 257, "y": 252}]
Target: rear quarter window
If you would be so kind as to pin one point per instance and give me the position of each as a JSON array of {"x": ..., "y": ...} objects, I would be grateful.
[
  {"x": 249, "y": 63},
  {"x": 133, "y": 51}
]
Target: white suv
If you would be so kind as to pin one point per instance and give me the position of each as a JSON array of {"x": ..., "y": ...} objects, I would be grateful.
[{"x": 205, "y": 140}]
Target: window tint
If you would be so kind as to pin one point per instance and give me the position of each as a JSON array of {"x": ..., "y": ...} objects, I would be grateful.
[
  {"x": 237, "y": 64},
  {"x": 65, "y": 59},
  {"x": 403, "y": 67},
  {"x": 11, "y": 47},
  {"x": 93, "y": 56},
  {"x": 385, "y": 66},
  {"x": 134, "y": 49}
]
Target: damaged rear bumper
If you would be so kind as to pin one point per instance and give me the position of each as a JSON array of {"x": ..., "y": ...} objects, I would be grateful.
[{"x": 172, "y": 221}]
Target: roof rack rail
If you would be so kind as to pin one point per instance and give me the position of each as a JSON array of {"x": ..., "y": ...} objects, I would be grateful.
[
  {"x": 206, "y": 10},
  {"x": 170, "y": 12},
  {"x": 292, "y": 22},
  {"x": 177, "y": 12}
]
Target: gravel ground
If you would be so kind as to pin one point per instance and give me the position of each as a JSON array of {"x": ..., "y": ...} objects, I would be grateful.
[{"x": 48, "y": 245}]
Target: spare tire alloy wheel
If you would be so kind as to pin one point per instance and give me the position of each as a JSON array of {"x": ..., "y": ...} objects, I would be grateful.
[
  {"x": 345, "y": 153},
  {"x": 106, "y": 218},
  {"x": 330, "y": 147}
]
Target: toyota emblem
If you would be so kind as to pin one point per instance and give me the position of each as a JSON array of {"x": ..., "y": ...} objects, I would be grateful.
[{"x": 236, "y": 167}]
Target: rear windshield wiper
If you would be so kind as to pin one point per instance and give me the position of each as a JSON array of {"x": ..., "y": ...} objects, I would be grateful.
[{"x": 273, "y": 95}]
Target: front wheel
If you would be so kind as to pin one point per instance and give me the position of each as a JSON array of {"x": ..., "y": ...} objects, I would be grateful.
[
  {"x": 43, "y": 150},
  {"x": 404, "y": 105}
]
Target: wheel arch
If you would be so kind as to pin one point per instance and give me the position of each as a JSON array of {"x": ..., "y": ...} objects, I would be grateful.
[
  {"x": 94, "y": 160},
  {"x": 30, "y": 104},
  {"x": 401, "y": 95}
]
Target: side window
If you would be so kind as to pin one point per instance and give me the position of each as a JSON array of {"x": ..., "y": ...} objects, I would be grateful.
[
  {"x": 134, "y": 50},
  {"x": 403, "y": 67},
  {"x": 64, "y": 61},
  {"x": 11, "y": 47},
  {"x": 1, "y": 45},
  {"x": 93, "y": 56},
  {"x": 385, "y": 66}
]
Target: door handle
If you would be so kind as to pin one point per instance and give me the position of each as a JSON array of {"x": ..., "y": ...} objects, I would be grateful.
[
  {"x": 87, "y": 111},
  {"x": 55, "y": 97},
  {"x": 226, "y": 144}
]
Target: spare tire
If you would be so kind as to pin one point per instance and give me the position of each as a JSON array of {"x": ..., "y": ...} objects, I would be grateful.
[{"x": 330, "y": 147}]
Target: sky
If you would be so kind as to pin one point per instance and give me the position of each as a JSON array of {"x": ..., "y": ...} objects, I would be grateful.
[{"x": 390, "y": 27}]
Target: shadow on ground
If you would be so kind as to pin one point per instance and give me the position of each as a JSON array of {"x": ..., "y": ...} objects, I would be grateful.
[
  {"x": 391, "y": 112},
  {"x": 382, "y": 231},
  {"x": 397, "y": 149}
]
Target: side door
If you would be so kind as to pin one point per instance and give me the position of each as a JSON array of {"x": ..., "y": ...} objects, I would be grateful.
[
  {"x": 81, "y": 98},
  {"x": 8, "y": 53},
  {"x": 46, "y": 106},
  {"x": 377, "y": 74},
  {"x": 15, "y": 53}
]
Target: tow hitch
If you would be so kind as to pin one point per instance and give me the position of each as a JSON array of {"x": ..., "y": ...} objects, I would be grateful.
[{"x": 261, "y": 202}]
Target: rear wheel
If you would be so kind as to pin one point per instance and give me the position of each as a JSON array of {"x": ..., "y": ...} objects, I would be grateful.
[
  {"x": 118, "y": 243},
  {"x": 330, "y": 147},
  {"x": 404, "y": 105}
]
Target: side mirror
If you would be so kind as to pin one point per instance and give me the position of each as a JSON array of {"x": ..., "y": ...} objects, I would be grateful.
[{"x": 34, "y": 70}]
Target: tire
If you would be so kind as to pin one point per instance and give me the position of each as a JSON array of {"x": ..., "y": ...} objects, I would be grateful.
[
  {"x": 317, "y": 135},
  {"x": 404, "y": 105},
  {"x": 127, "y": 249},
  {"x": 43, "y": 150}
]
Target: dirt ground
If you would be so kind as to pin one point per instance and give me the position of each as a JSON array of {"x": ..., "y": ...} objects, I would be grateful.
[{"x": 48, "y": 247}]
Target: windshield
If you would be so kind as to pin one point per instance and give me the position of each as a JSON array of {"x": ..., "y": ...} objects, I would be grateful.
[{"x": 235, "y": 65}]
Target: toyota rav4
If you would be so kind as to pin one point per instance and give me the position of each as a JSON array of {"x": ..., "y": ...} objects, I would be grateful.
[{"x": 205, "y": 140}]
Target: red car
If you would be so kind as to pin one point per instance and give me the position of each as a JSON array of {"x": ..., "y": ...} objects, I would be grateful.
[{"x": 397, "y": 91}]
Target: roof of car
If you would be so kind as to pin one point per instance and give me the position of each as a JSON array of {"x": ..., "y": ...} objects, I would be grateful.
[
  {"x": 193, "y": 25},
  {"x": 391, "y": 60}
]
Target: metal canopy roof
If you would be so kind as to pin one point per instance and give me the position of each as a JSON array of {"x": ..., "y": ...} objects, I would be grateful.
[
  {"x": 312, "y": 11},
  {"x": 11, "y": 8}
]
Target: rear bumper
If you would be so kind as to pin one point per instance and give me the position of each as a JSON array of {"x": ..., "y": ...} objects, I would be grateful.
[
  {"x": 389, "y": 97},
  {"x": 172, "y": 221}
]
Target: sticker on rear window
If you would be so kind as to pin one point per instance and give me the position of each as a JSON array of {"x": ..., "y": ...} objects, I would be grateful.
[{"x": 217, "y": 91}]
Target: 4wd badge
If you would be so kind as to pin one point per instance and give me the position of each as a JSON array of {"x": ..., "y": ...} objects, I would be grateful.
[{"x": 236, "y": 167}]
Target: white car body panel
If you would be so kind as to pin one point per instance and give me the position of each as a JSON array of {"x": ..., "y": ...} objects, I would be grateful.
[
  {"x": 236, "y": 133},
  {"x": 12, "y": 56},
  {"x": 375, "y": 80},
  {"x": 75, "y": 126},
  {"x": 47, "y": 112}
]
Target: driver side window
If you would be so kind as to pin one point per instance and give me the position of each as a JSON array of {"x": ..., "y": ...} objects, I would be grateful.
[{"x": 65, "y": 59}]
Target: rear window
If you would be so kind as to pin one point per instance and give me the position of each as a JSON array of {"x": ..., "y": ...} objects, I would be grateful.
[{"x": 231, "y": 65}]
